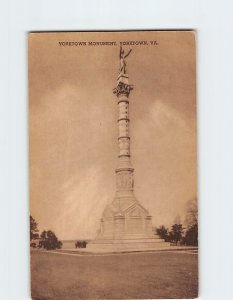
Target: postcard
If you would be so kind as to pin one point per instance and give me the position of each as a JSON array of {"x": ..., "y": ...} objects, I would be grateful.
[{"x": 113, "y": 165}]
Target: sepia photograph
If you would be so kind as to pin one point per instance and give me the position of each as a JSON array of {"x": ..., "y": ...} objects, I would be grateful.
[{"x": 113, "y": 165}]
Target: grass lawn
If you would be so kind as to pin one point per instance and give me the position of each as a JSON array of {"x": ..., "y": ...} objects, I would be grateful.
[{"x": 129, "y": 276}]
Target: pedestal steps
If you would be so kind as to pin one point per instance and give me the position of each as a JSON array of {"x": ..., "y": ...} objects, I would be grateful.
[{"x": 127, "y": 244}]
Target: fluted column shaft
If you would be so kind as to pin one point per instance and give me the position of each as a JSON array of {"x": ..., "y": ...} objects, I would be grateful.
[{"x": 124, "y": 170}]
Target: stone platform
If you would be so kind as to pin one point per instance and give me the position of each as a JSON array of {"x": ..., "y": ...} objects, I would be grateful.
[
  {"x": 127, "y": 245},
  {"x": 118, "y": 245},
  {"x": 127, "y": 229},
  {"x": 96, "y": 251}
]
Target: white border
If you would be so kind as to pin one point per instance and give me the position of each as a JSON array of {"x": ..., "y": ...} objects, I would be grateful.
[{"x": 213, "y": 22}]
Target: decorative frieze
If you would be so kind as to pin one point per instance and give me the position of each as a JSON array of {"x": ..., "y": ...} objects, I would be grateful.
[{"x": 124, "y": 180}]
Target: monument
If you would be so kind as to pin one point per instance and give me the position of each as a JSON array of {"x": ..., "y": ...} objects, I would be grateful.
[{"x": 125, "y": 223}]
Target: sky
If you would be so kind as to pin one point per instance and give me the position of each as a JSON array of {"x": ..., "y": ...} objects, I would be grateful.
[{"x": 73, "y": 126}]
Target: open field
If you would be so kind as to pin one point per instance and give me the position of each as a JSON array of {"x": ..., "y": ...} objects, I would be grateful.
[{"x": 155, "y": 275}]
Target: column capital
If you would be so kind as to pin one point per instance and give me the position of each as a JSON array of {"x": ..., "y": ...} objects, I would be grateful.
[{"x": 122, "y": 89}]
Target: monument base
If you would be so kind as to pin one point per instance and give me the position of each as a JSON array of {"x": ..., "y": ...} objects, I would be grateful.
[
  {"x": 126, "y": 226},
  {"x": 120, "y": 245}
]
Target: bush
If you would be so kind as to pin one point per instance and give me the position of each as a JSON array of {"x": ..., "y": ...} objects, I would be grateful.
[
  {"x": 163, "y": 233},
  {"x": 81, "y": 244},
  {"x": 49, "y": 241}
]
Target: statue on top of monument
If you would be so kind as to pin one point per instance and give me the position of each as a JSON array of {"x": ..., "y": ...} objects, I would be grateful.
[
  {"x": 122, "y": 68},
  {"x": 123, "y": 86}
]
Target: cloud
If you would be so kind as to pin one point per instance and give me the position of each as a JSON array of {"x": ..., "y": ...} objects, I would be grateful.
[
  {"x": 162, "y": 117},
  {"x": 163, "y": 154},
  {"x": 84, "y": 197}
]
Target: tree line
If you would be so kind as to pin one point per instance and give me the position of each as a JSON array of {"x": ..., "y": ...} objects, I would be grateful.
[
  {"x": 47, "y": 239},
  {"x": 178, "y": 234}
]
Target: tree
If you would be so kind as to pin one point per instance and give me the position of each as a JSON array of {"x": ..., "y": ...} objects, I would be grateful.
[
  {"x": 191, "y": 236},
  {"x": 191, "y": 221},
  {"x": 163, "y": 233},
  {"x": 34, "y": 235},
  {"x": 49, "y": 241},
  {"x": 176, "y": 233}
]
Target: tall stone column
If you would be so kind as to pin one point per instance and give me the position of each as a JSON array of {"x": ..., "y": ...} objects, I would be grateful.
[{"x": 124, "y": 170}]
